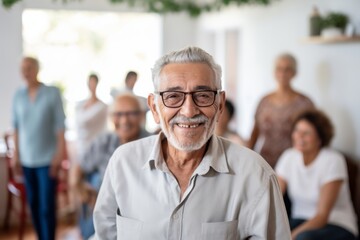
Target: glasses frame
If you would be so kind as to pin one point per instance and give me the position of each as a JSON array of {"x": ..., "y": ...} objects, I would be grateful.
[
  {"x": 128, "y": 114},
  {"x": 192, "y": 97}
]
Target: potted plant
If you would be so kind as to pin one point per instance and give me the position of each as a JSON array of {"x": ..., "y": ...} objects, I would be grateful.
[{"x": 334, "y": 24}]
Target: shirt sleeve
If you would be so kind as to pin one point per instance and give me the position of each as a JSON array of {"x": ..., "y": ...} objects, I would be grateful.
[
  {"x": 336, "y": 168},
  {"x": 105, "y": 211},
  {"x": 282, "y": 168},
  {"x": 58, "y": 111},
  {"x": 15, "y": 118},
  {"x": 269, "y": 219},
  {"x": 89, "y": 160}
]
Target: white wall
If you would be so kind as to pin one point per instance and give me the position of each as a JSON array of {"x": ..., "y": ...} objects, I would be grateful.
[
  {"x": 178, "y": 31},
  {"x": 328, "y": 73}
]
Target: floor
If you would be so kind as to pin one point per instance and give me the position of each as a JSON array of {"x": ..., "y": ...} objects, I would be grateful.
[
  {"x": 66, "y": 229},
  {"x": 64, "y": 232}
]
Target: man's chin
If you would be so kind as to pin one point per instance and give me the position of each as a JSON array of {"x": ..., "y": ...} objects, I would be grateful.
[{"x": 187, "y": 143}]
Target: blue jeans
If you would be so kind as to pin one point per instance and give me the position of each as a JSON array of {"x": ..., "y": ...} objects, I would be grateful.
[
  {"x": 41, "y": 196},
  {"x": 86, "y": 212},
  {"x": 328, "y": 232}
]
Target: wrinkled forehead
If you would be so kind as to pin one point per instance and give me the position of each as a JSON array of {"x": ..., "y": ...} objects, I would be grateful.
[{"x": 181, "y": 76}]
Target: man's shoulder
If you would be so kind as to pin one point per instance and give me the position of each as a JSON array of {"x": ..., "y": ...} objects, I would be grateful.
[
  {"x": 51, "y": 89},
  {"x": 20, "y": 91},
  {"x": 146, "y": 143},
  {"x": 135, "y": 152},
  {"x": 106, "y": 137},
  {"x": 245, "y": 161}
]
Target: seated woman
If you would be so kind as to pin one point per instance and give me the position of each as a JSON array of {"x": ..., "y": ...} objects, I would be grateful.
[
  {"x": 316, "y": 179},
  {"x": 222, "y": 127}
]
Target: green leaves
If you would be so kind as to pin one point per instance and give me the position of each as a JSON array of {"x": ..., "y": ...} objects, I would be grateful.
[
  {"x": 192, "y": 7},
  {"x": 334, "y": 19},
  {"x": 9, "y": 3}
]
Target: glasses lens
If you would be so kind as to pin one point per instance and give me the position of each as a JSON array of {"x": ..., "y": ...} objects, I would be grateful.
[
  {"x": 173, "y": 99},
  {"x": 203, "y": 99}
]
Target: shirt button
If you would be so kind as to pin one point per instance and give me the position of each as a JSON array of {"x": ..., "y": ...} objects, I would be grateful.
[{"x": 175, "y": 216}]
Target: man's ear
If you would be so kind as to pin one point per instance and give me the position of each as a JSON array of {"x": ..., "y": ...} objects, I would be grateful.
[
  {"x": 221, "y": 104},
  {"x": 152, "y": 106}
]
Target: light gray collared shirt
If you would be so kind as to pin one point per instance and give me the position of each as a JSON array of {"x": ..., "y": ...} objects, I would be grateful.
[{"x": 233, "y": 194}]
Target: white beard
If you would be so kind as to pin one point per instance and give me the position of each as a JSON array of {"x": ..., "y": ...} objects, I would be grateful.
[{"x": 188, "y": 146}]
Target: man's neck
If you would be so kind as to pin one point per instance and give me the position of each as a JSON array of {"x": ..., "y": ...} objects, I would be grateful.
[
  {"x": 182, "y": 164},
  {"x": 182, "y": 160},
  {"x": 35, "y": 84}
]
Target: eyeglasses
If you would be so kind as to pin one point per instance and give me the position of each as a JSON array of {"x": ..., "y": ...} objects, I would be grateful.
[
  {"x": 130, "y": 114},
  {"x": 175, "y": 99}
]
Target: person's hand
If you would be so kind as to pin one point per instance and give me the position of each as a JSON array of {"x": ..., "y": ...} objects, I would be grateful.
[
  {"x": 15, "y": 165},
  {"x": 54, "y": 167},
  {"x": 294, "y": 234},
  {"x": 87, "y": 194}
]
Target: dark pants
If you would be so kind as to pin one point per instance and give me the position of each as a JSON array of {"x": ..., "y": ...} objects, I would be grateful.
[
  {"x": 86, "y": 212},
  {"x": 328, "y": 232},
  {"x": 41, "y": 196}
]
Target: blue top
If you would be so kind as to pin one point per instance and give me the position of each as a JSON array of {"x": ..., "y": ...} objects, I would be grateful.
[{"x": 37, "y": 123}]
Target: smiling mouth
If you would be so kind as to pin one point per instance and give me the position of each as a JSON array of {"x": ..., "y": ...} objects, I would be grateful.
[{"x": 188, "y": 126}]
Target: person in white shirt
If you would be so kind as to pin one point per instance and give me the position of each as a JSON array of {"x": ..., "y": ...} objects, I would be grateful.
[
  {"x": 316, "y": 179},
  {"x": 186, "y": 183},
  {"x": 91, "y": 117}
]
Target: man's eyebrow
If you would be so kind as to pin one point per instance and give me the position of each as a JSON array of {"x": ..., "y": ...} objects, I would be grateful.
[
  {"x": 174, "y": 89},
  {"x": 197, "y": 88},
  {"x": 203, "y": 87}
]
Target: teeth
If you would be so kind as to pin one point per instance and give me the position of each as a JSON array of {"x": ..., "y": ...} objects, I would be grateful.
[{"x": 188, "y": 126}]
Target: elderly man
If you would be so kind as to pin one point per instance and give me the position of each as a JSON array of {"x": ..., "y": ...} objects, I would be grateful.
[
  {"x": 127, "y": 117},
  {"x": 38, "y": 121},
  {"x": 187, "y": 183}
]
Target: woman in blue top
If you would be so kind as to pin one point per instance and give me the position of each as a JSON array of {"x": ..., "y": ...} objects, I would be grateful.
[{"x": 38, "y": 121}]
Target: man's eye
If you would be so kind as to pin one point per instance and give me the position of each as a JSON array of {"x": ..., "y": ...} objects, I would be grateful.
[
  {"x": 173, "y": 96},
  {"x": 203, "y": 95}
]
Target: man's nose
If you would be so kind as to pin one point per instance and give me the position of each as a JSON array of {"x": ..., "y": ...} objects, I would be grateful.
[{"x": 189, "y": 108}]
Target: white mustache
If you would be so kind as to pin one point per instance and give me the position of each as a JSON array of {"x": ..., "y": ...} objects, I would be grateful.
[{"x": 182, "y": 119}]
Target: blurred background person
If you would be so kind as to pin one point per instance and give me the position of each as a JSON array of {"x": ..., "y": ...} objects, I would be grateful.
[
  {"x": 276, "y": 112},
  {"x": 91, "y": 116},
  {"x": 127, "y": 117},
  {"x": 222, "y": 127},
  {"x": 38, "y": 121},
  {"x": 130, "y": 81},
  {"x": 316, "y": 180}
]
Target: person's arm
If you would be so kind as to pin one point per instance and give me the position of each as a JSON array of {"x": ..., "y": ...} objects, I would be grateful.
[
  {"x": 282, "y": 184},
  {"x": 59, "y": 128},
  {"x": 59, "y": 153},
  {"x": 254, "y": 136},
  {"x": 328, "y": 195},
  {"x": 16, "y": 163},
  {"x": 16, "y": 155},
  {"x": 105, "y": 211},
  {"x": 268, "y": 219},
  {"x": 85, "y": 192}
]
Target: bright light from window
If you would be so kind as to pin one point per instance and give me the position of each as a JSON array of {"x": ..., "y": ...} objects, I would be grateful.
[{"x": 72, "y": 44}]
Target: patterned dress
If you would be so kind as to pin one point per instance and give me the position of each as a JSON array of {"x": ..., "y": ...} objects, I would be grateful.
[{"x": 274, "y": 123}]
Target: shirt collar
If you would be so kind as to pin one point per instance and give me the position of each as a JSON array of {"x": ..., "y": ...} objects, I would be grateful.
[{"x": 214, "y": 157}]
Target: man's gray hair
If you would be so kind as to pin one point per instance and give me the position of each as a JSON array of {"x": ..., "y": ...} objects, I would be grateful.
[{"x": 186, "y": 55}]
